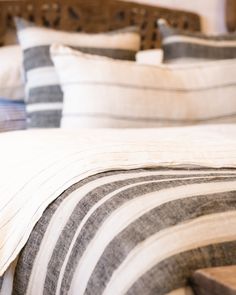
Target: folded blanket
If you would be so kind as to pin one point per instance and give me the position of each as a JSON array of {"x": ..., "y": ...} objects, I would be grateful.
[{"x": 49, "y": 162}]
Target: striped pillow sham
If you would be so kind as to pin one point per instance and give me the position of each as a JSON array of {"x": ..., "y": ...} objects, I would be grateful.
[
  {"x": 125, "y": 94},
  {"x": 182, "y": 46},
  {"x": 44, "y": 95},
  {"x": 12, "y": 115}
]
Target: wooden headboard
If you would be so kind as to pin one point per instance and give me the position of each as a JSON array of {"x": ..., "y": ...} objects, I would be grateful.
[
  {"x": 231, "y": 15},
  {"x": 96, "y": 16}
]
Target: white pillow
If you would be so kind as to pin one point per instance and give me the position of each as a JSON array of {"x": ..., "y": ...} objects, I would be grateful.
[
  {"x": 100, "y": 92},
  {"x": 11, "y": 77},
  {"x": 150, "y": 57}
]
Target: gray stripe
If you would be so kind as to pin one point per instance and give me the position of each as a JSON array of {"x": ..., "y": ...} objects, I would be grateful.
[
  {"x": 45, "y": 94},
  {"x": 39, "y": 56},
  {"x": 175, "y": 272},
  {"x": 90, "y": 228},
  {"x": 164, "y": 216},
  {"x": 1, "y": 281},
  {"x": 44, "y": 119},
  {"x": 183, "y": 50},
  {"x": 146, "y": 119},
  {"x": 121, "y": 54}
]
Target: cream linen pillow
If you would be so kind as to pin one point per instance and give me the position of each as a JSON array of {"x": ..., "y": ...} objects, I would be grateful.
[{"x": 101, "y": 92}]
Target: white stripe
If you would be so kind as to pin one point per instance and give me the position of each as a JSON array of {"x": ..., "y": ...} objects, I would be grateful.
[
  {"x": 49, "y": 106},
  {"x": 42, "y": 77},
  {"x": 206, "y": 230},
  {"x": 128, "y": 213},
  {"x": 194, "y": 40}
]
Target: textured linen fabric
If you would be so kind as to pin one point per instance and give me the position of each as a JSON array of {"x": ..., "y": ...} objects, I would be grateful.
[
  {"x": 150, "y": 57},
  {"x": 101, "y": 92},
  {"x": 50, "y": 161},
  {"x": 131, "y": 232},
  {"x": 44, "y": 95},
  {"x": 182, "y": 46},
  {"x": 11, "y": 74},
  {"x": 12, "y": 115}
]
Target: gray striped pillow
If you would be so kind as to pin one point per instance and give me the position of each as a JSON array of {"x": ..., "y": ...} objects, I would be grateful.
[
  {"x": 44, "y": 95},
  {"x": 126, "y": 94},
  {"x": 182, "y": 46}
]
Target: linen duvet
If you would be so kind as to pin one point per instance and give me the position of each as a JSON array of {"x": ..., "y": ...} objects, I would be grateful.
[{"x": 115, "y": 211}]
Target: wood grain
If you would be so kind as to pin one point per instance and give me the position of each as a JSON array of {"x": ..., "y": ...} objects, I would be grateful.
[
  {"x": 96, "y": 16},
  {"x": 231, "y": 15}
]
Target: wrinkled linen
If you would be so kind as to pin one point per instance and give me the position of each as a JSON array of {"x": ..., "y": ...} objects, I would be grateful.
[{"x": 47, "y": 162}]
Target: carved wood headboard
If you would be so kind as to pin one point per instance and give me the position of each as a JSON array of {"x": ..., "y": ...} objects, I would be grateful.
[
  {"x": 96, "y": 16},
  {"x": 230, "y": 16}
]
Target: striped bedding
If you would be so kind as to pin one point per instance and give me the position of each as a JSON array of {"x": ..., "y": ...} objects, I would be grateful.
[
  {"x": 135, "y": 232},
  {"x": 138, "y": 215}
]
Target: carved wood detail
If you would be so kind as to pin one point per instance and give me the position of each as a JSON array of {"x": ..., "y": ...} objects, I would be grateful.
[{"x": 96, "y": 16}]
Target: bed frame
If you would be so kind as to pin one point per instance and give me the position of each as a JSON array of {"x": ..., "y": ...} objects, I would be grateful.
[{"x": 96, "y": 16}]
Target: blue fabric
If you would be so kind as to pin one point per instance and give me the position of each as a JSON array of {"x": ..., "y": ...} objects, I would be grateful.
[{"x": 12, "y": 115}]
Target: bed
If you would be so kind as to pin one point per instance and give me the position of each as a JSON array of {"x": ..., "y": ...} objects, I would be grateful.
[{"x": 121, "y": 210}]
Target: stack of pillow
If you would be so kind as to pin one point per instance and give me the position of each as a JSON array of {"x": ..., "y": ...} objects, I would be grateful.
[{"x": 91, "y": 80}]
